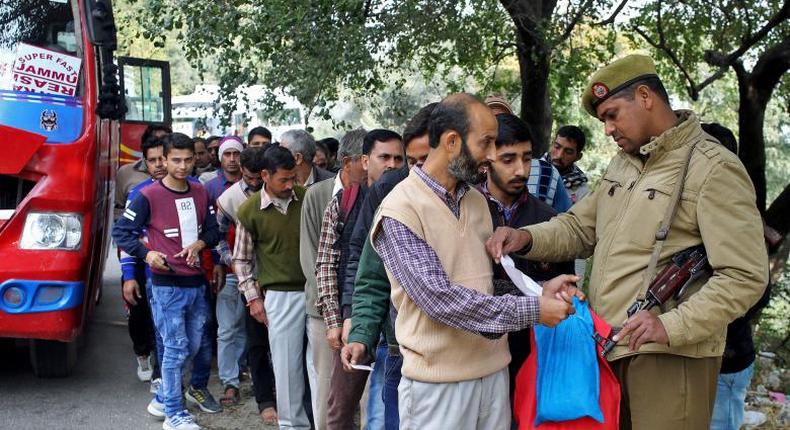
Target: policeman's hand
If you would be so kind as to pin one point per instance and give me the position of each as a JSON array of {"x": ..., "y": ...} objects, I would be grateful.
[
  {"x": 506, "y": 240},
  {"x": 563, "y": 287},
  {"x": 644, "y": 327},
  {"x": 346, "y": 330},
  {"x": 553, "y": 311},
  {"x": 156, "y": 260},
  {"x": 258, "y": 312},
  {"x": 218, "y": 278},
  {"x": 192, "y": 253},
  {"x": 131, "y": 292},
  {"x": 333, "y": 337},
  {"x": 353, "y": 353}
]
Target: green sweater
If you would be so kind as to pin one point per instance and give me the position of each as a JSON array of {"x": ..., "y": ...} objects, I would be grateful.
[
  {"x": 371, "y": 302},
  {"x": 276, "y": 240}
]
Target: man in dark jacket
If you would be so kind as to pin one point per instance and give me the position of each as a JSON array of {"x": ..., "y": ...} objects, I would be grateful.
[{"x": 512, "y": 205}]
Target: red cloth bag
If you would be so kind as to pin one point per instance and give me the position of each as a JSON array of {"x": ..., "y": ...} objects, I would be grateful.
[{"x": 524, "y": 397}]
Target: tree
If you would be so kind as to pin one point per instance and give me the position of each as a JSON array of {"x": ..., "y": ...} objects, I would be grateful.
[
  {"x": 312, "y": 49},
  {"x": 699, "y": 41}
]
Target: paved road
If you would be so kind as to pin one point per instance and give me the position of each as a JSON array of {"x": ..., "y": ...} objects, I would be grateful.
[{"x": 104, "y": 392}]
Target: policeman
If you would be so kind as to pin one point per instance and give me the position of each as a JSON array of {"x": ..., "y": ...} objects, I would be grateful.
[{"x": 667, "y": 360}]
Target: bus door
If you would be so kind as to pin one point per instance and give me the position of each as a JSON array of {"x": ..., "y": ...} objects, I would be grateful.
[{"x": 145, "y": 84}]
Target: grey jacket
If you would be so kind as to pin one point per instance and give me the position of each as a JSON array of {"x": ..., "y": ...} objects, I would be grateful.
[{"x": 315, "y": 202}]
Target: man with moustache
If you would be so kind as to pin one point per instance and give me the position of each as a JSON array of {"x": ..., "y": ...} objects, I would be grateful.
[
  {"x": 231, "y": 334},
  {"x": 448, "y": 324},
  {"x": 566, "y": 150},
  {"x": 667, "y": 360}
]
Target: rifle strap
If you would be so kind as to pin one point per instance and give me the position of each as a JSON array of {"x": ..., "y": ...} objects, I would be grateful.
[{"x": 663, "y": 229}]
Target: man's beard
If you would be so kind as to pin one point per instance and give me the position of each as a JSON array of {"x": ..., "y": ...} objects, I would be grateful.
[
  {"x": 465, "y": 168},
  {"x": 502, "y": 185}
]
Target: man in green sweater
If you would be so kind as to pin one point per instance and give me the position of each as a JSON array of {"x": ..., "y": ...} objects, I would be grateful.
[{"x": 266, "y": 261}]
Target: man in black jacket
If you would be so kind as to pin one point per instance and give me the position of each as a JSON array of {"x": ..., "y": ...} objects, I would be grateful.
[{"x": 511, "y": 205}]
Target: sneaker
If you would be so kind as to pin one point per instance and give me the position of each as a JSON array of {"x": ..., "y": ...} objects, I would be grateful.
[
  {"x": 203, "y": 399},
  {"x": 156, "y": 408},
  {"x": 155, "y": 384},
  {"x": 144, "y": 369},
  {"x": 180, "y": 421}
]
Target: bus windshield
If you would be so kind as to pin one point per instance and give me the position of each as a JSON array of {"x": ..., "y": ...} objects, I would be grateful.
[{"x": 41, "y": 67}]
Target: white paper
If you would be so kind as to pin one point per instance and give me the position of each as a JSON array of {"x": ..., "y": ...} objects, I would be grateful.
[
  {"x": 522, "y": 281},
  {"x": 362, "y": 367}
]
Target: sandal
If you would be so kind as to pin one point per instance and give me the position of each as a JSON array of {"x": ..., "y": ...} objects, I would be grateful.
[
  {"x": 231, "y": 397},
  {"x": 269, "y": 416}
]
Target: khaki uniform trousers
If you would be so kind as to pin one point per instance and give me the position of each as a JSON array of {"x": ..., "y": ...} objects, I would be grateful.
[{"x": 666, "y": 392}]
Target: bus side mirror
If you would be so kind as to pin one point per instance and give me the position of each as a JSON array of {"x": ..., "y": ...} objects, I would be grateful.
[{"x": 100, "y": 23}]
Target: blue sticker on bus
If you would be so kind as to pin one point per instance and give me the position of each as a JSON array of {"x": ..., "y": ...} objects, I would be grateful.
[{"x": 58, "y": 118}]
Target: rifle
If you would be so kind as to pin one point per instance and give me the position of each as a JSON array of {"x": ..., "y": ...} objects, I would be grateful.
[{"x": 686, "y": 267}]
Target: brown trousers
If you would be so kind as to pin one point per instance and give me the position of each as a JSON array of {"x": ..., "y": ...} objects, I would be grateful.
[
  {"x": 663, "y": 391},
  {"x": 345, "y": 392}
]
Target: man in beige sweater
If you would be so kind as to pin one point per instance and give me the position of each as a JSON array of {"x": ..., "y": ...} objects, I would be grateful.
[{"x": 430, "y": 232}]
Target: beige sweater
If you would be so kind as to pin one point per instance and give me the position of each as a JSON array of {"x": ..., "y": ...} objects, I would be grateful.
[{"x": 432, "y": 351}]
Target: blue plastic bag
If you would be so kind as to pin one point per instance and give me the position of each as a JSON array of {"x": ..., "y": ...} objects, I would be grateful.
[{"x": 568, "y": 379}]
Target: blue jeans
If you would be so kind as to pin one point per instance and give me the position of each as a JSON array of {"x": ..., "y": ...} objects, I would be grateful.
[
  {"x": 231, "y": 333},
  {"x": 390, "y": 392},
  {"x": 730, "y": 397},
  {"x": 201, "y": 363},
  {"x": 180, "y": 316},
  {"x": 375, "y": 394}
]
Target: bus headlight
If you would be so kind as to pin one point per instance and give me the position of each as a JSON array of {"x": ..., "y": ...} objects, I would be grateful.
[{"x": 49, "y": 230}]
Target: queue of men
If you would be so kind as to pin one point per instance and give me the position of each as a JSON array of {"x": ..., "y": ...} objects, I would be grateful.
[{"x": 393, "y": 261}]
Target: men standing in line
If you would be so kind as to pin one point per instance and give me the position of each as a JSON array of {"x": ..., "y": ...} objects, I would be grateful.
[
  {"x": 179, "y": 222},
  {"x": 667, "y": 360},
  {"x": 266, "y": 261},
  {"x": 302, "y": 146},
  {"x": 382, "y": 151},
  {"x": 566, "y": 150},
  {"x": 316, "y": 200},
  {"x": 448, "y": 324}
]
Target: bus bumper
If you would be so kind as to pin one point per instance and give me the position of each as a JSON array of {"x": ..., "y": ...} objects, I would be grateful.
[{"x": 41, "y": 309}]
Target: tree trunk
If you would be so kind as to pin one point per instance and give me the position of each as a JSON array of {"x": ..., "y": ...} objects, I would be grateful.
[
  {"x": 533, "y": 49},
  {"x": 533, "y": 61},
  {"x": 751, "y": 117},
  {"x": 755, "y": 89}
]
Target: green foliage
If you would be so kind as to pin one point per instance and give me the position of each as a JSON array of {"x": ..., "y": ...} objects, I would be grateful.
[{"x": 317, "y": 50}]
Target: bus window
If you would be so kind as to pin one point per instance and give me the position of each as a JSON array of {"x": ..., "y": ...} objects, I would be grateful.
[{"x": 144, "y": 92}]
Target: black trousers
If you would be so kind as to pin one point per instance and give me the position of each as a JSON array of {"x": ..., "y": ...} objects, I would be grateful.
[
  {"x": 141, "y": 323},
  {"x": 260, "y": 363}
]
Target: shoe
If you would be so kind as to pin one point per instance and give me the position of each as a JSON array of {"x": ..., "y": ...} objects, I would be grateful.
[
  {"x": 144, "y": 369},
  {"x": 156, "y": 408},
  {"x": 203, "y": 399},
  {"x": 180, "y": 421},
  {"x": 155, "y": 384}
]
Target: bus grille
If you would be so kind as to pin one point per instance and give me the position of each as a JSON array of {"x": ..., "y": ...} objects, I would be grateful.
[{"x": 13, "y": 190}]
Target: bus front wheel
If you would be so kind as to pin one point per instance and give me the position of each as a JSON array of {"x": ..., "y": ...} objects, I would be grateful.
[{"x": 52, "y": 359}]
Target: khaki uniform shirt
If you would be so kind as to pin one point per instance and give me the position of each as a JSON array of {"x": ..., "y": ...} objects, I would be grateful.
[{"x": 617, "y": 225}]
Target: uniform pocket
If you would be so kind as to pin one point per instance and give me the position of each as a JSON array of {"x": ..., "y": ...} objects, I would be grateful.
[{"x": 648, "y": 207}]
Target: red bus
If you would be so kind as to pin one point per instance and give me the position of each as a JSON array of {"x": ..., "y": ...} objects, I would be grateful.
[{"x": 60, "y": 112}]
